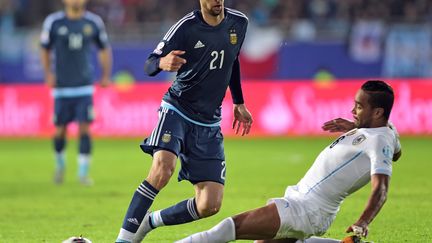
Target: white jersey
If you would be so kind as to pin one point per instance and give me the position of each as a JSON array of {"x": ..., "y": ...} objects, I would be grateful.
[{"x": 347, "y": 165}]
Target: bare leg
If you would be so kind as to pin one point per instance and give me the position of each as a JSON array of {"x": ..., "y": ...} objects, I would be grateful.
[
  {"x": 208, "y": 197},
  {"x": 260, "y": 223},
  {"x": 162, "y": 169}
]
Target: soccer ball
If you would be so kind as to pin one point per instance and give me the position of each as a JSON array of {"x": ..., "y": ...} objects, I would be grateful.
[{"x": 80, "y": 239}]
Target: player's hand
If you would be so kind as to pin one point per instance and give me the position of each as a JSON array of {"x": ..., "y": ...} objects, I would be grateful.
[
  {"x": 172, "y": 62},
  {"x": 105, "y": 82},
  {"x": 242, "y": 118},
  {"x": 50, "y": 79},
  {"x": 360, "y": 228},
  {"x": 338, "y": 125}
]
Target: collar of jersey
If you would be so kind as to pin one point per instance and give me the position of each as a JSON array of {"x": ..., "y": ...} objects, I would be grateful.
[{"x": 198, "y": 14}]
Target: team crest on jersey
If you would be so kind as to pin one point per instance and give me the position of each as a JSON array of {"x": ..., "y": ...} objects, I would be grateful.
[
  {"x": 352, "y": 132},
  {"x": 166, "y": 138},
  {"x": 62, "y": 30},
  {"x": 88, "y": 29},
  {"x": 387, "y": 152},
  {"x": 358, "y": 140},
  {"x": 233, "y": 37}
]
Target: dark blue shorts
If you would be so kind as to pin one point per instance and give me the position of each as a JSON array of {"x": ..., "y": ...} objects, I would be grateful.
[
  {"x": 78, "y": 109},
  {"x": 199, "y": 148}
]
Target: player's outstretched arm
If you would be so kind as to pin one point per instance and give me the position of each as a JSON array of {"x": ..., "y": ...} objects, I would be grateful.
[
  {"x": 338, "y": 125},
  {"x": 379, "y": 183},
  {"x": 105, "y": 60}
]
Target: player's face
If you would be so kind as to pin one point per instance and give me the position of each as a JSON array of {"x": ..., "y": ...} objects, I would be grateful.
[
  {"x": 212, "y": 7},
  {"x": 362, "y": 111},
  {"x": 75, "y": 4}
]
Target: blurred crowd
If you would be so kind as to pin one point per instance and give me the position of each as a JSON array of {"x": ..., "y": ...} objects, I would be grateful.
[{"x": 141, "y": 14}]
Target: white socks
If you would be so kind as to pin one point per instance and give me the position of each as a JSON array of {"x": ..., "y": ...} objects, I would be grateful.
[
  {"x": 221, "y": 233},
  {"x": 125, "y": 236},
  {"x": 83, "y": 165},
  {"x": 156, "y": 219},
  {"x": 60, "y": 160}
]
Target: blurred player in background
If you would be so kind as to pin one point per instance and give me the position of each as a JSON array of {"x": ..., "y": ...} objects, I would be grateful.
[
  {"x": 70, "y": 35},
  {"x": 203, "y": 49},
  {"x": 362, "y": 154}
]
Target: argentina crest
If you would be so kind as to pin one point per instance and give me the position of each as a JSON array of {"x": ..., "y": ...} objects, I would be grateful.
[
  {"x": 233, "y": 36},
  {"x": 88, "y": 30},
  {"x": 166, "y": 138}
]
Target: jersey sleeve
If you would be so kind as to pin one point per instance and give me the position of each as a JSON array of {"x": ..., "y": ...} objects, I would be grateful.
[
  {"x": 380, "y": 151},
  {"x": 169, "y": 43},
  {"x": 101, "y": 37},
  {"x": 235, "y": 81},
  {"x": 47, "y": 37}
]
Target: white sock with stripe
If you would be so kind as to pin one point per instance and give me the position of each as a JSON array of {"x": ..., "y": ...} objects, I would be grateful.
[{"x": 222, "y": 232}]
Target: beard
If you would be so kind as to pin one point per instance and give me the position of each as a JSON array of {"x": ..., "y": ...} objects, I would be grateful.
[
  {"x": 362, "y": 124},
  {"x": 76, "y": 7},
  {"x": 216, "y": 11}
]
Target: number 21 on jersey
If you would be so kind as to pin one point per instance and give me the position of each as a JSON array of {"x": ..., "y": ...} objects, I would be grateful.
[{"x": 218, "y": 58}]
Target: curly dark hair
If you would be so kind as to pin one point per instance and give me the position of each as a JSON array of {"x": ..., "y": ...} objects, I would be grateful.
[{"x": 381, "y": 95}]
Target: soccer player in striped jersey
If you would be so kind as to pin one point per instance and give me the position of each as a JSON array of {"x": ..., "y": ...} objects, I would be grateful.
[
  {"x": 203, "y": 48},
  {"x": 70, "y": 35},
  {"x": 307, "y": 209}
]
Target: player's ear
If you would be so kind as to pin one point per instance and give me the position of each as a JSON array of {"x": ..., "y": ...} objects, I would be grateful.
[{"x": 378, "y": 112}]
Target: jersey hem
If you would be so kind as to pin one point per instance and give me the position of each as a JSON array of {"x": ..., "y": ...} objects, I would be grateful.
[
  {"x": 71, "y": 92},
  {"x": 167, "y": 105}
]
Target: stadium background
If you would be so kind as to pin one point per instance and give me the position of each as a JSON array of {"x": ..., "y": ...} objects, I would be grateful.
[{"x": 301, "y": 65}]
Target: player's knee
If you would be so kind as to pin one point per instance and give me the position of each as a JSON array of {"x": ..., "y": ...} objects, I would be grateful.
[
  {"x": 207, "y": 208},
  {"x": 84, "y": 129},
  {"x": 60, "y": 132},
  {"x": 84, "y": 134},
  {"x": 162, "y": 171},
  {"x": 165, "y": 168}
]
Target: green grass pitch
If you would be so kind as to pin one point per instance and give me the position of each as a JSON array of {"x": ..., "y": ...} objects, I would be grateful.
[{"x": 33, "y": 209}]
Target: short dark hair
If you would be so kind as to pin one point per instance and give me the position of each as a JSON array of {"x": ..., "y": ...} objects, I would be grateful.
[{"x": 381, "y": 95}]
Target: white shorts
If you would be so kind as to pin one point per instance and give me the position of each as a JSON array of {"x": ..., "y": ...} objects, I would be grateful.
[{"x": 300, "y": 218}]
